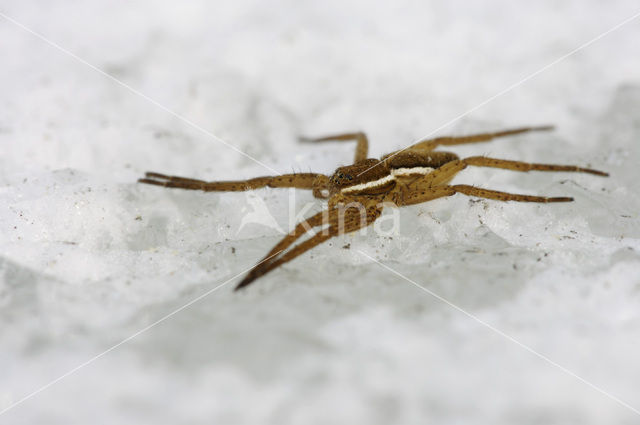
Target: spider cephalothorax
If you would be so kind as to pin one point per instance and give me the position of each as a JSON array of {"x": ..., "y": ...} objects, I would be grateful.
[{"x": 357, "y": 193}]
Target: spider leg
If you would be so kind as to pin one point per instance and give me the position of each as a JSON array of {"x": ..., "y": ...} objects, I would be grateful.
[
  {"x": 446, "y": 172},
  {"x": 277, "y": 256},
  {"x": 430, "y": 144},
  {"x": 276, "y": 260},
  {"x": 301, "y": 229},
  {"x": 424, "y": 194},
  {"x": 362, "y": 146},
  {"x": 482, "y": 161},
  {"x": 504, "y": 196},
  {"x": 299, "y": 180}
]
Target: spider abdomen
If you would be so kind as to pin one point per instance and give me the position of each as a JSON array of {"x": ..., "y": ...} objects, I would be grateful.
[{"x": 412, "y": 159}]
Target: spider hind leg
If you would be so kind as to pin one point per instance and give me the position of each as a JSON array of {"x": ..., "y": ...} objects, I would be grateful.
[
  {"x": 340, "y": 221},
  {"x": 504, "y": 196},
  {"x": 483, "y": 161},
  {"x": 445, "y": 173}
]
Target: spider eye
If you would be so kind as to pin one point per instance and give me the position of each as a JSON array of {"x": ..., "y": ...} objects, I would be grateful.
[
  {"x": 341, "y": 175},
  {"x": 350, "y": 177}
]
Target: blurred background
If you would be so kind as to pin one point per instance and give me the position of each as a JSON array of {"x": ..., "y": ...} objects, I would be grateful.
[{"x": 95, "y": 93}]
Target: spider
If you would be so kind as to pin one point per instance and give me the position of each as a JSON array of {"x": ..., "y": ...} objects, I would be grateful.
[{"x": 358, "y": 192}]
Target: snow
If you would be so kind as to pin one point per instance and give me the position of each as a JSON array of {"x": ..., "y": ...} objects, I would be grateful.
[{"x": 480, "y": 311}]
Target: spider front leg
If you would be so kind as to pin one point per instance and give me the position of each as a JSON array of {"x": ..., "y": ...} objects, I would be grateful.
[
  {"x": 362, "y": 146},
  {"x": 340, "y": 222},
  {"x": 313, "y": 181}
]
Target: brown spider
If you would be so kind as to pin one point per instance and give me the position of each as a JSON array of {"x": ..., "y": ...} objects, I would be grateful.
[{"x": 358, "y": 192}]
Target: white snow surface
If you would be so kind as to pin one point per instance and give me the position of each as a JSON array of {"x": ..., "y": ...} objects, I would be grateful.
[{"x": 480, "y": 312}]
